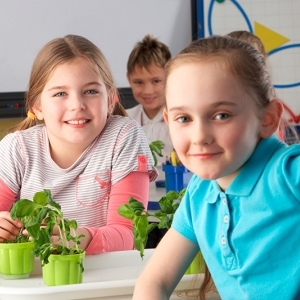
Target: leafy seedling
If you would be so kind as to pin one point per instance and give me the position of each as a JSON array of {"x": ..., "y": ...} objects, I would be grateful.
[
  {"x": 156, "y": 150},
  {"x": 39, "y": 216},
  {"x": 136, "y": 212}
]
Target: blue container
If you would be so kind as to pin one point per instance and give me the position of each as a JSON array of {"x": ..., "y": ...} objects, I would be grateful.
[{"x": 177, "y": 177}]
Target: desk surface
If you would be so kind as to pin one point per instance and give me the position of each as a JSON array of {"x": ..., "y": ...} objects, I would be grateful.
[{"x": 106, "y": 276}]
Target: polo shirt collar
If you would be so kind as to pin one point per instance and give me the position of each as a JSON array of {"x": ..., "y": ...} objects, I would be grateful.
[
  {"x": 250, "y": 172},
  {"x": 158, "y": 118}
]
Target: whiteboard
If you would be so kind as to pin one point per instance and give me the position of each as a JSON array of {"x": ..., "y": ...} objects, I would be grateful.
[
  {"x": 277, "y": 23},
  {"x": 115, "y": 26}
]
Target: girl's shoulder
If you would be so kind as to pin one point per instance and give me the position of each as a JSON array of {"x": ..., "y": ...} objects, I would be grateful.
[
  {"x": 286, "y": 154},
  {"x": 23, "y": 136},
  {"x": 120, "y": 124}
]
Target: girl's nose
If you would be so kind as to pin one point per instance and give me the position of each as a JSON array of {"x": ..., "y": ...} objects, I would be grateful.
[
  {"x": 77, "y": 102},
  {"x": 202, "y": 133}
]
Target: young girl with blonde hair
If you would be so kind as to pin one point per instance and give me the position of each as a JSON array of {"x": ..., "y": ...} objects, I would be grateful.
[
  {"x": 242, "y": 207},
  {"x": 74, "y": 143}
]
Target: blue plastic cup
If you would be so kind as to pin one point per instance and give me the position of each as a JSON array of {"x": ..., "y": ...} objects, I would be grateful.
[{"x": 177, "y": 177}]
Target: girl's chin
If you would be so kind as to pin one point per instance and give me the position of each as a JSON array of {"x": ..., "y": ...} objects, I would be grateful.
[{"x": 206, "y": 176}]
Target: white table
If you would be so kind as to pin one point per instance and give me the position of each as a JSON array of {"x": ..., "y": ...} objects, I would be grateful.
[{"x": 107, "y": 276}]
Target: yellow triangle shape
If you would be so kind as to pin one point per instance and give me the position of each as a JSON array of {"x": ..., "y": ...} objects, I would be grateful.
[{"x": 269, "y": 38}]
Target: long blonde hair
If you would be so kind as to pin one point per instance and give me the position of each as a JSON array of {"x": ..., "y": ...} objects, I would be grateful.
[
  {"x": 243, "y": 62},
  {"x": 59, "y": 51}
]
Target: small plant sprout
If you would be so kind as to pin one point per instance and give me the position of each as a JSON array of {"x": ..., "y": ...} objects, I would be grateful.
[
  {"x": 156, "y": 147},
  {"x": 136, "y": 212},
  {"x": 39, "y": 217}
]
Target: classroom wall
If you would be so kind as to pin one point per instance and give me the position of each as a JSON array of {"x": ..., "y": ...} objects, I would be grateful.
[{"x": 113, "y": 25}]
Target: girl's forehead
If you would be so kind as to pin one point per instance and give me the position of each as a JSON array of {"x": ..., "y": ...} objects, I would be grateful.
[
  {"x": 79, "y": 62},
  {"x": 188, "y": 70}
]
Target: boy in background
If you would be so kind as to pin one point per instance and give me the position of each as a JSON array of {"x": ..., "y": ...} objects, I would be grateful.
[{"x": 146, "y": 76}]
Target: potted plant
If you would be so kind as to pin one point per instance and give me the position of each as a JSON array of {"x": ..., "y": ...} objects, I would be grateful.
[
  {"x": 16, "y": 257},
  {"x": 168, "y": 204},
  {"x": 62, "y": 263}
]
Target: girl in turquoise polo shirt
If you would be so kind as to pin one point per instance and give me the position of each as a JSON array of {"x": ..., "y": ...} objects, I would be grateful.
[{"x": 242, "y": 206}]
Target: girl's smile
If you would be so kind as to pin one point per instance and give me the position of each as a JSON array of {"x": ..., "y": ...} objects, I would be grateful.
[{"x": 74, "y": 107}]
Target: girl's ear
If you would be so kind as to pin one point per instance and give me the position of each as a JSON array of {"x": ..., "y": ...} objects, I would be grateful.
[
  {"x": 271, "y": 118},
  {"x": 38, "y": 111},
  {"x": 112, "y": 99},
  {"x": 165, "y": 113}
]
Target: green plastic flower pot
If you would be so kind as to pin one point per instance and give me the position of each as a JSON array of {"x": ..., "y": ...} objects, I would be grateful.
[
  {"x": 63, "y": 269},
  {"x": 16, "y": 260},
  {"x": 197, "y": 266}
]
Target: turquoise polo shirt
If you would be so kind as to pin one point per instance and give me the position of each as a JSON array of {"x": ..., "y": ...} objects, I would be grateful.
[{"x": 249, "y": 235}]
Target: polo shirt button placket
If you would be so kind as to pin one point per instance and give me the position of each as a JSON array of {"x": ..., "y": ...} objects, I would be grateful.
[{"x": 223, "y": 240}]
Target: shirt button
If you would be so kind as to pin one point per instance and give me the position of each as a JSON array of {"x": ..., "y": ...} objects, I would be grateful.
[
  {"x": 224, "y": 201},
  {"x": 223, "y": 240},
  {"x": 225, "y": 219}
]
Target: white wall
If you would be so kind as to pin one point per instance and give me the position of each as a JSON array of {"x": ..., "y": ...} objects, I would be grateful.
[{"x": 113, "y": 25}]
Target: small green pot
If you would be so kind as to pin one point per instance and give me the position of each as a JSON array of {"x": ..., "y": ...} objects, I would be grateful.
[
  {"x": 197, "y": 265},
  {"x": 16, "y": 260},
  {"x": 63, "y": 269}
]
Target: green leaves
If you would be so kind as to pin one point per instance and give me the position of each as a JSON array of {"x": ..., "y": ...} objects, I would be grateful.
[
  {"x": 156, "y": 147},
  {"x": 21, "y": 209},
  {"x": 39, "y": 217},
  {"x": 136, "y": 212}
]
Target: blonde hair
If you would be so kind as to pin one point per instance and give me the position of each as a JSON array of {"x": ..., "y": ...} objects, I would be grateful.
[
  {"x": 147, "y": 52},
  {"x": 59, "y": 51},
  {"x": 243, "y": 62},
  {"x": 235, "y": 57},
  {"x": 249, "y": 38}
]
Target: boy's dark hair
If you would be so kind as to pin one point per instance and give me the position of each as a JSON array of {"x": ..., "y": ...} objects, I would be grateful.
[{"x": 147, "y": 52}]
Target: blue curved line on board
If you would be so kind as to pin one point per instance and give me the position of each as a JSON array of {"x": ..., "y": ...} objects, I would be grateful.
[
  {"x": 291, "y": 85},
  {"x": 239, "y": 7},
  {"x": 244, "y": 15},
  {"x": 279, "y": 86}
]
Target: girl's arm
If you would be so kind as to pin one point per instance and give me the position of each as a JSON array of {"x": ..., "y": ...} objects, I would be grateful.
[
  {"x": 8, "y": 228},
  {"x": 165, "y": 268},
  {"x": 117, "y": 234}
]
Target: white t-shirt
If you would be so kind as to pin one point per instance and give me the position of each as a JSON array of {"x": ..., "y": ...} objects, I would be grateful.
[
  {"x": 83, "y": 189},
  {"x": 155, "y": 129}
]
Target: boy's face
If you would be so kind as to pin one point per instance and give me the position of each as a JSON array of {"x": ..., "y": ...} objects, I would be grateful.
[{"x": 148, "y": 88}]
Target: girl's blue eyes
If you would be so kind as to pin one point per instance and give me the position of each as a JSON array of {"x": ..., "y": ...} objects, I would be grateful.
[
  {"x": 60, "y": 94},
  {"x": 221, "y": 116},
  {"x": 183, "y": 119},
  {"x": 89, "y": 92}
]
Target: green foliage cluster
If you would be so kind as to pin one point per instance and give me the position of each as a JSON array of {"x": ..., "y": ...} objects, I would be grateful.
[
  {"x": 136, "y": 212},
  {"x": 39, "y": 216},
  {"x": 156, "y": 148}
]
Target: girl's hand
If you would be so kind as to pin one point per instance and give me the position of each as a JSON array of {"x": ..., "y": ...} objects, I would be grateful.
[
  {"x": 84, "y": 242},
  {"x": 9, "y": 228}
]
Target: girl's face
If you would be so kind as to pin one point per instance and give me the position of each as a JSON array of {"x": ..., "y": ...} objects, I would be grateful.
[
  {"x": 73, "y": 105},
  {"x": 213, "y": 123}
]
